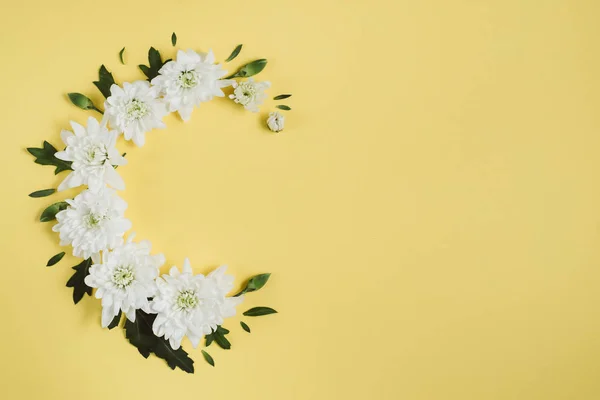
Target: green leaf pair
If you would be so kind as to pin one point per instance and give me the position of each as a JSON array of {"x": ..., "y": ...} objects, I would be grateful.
[
  {"x": 155, "y": 63},
  {"x": 140, "y": 334},
  {"x": 45, "y": 156},
  {"x": 254, "y": 283},
  {"x": 218, "y": 336}
]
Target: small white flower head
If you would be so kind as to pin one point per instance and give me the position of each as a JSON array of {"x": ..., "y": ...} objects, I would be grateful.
[
  {"x": 275, "y": 121},
  {"x": 93, "y": 153},
  {"x": 125, "y": 278},
  {"x": 190, "y": 80},
  {"x": 134, "y": 110},
  {"x": 250, "y": 94},
  {"x": 192, "y": 305},
  {"x": 92, "y": 222}
]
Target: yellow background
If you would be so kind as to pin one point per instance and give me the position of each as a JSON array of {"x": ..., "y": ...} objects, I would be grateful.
[{"x": 430, "y": 213}]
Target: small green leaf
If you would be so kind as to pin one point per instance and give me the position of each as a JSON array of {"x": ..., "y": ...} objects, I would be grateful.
[
  {"x": 282, "y": 107},
  {"x": 55, "y": 259},
  {"x": 50, "y": 212},
  {"x": 234, "y": 53},
  {"x": 115, "y": 322},
  {"x": 105, "y": 81},
  {"x": 208, "y": 358},
  {"x": 250, "y": 69},
  {"x": 282, "y": 96},
  {"x": 77, "y": 281},
  {"x": 42, "y": 193},
  {"x": 255, "y": 283},
  {"x": 173, "y": 39},
  {"x": 45, "y": 156},
  {"x": 121, "y": 55},
  {"x": 155, "y": 63},
  {"x": 244, "y": 326},
  {"x": 209, "y": 339},
  {"x": 258, "y": 311}
]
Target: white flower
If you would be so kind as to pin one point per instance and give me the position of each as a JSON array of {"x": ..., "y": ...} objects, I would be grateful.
[
  {"x": 93, "y": 153},
  {"x": 191, "y": 80},
  {"x": 134, "y": 110},
  {"x": 192, "y": 305},
  {"x": 275, "y": 121},
  {"x": 250, "y": 94},
  {"x": 92, "y": 222},
  {"x": 125, "y": 279}
]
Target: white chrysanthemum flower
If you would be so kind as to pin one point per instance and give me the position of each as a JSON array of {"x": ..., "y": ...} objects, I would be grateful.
[
  {"x": 250, "y": 94},
  {"x": 92, "y": 222},
  {"x": 190, "y": 80},
  {"x": 275, "y": 121},
  {"x": 192, "y": 305},
  {"x": 125, "y": 278},
  {"x": 134, "y": 110},
  {"x": 93, "y": 153}
]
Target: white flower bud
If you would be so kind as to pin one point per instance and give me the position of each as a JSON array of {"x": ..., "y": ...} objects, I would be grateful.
[{"x": 275, "y": 121}]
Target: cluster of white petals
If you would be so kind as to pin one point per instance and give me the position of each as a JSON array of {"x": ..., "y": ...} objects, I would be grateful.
[
  {"x": 275, "y": 121},
  {"x": 192, "y": 305},
  {"x": 93, "y": 222},
  {"x": 93, "y": 154},
  {"x": 190, "y": 80},
  {"x": 125, "y": 279},
  {"x": 250, "y": 94},
  {"x": 134, "y": 110}
]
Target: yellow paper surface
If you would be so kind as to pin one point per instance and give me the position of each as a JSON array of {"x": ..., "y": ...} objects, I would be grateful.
[{"x": 430, "y": 214}]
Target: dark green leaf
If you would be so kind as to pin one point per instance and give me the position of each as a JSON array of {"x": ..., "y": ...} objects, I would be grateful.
[
  {"x": 77, "y": 280},
  {"x": 282, "y": 96},
  {"x": 45, "y": 156},
  {"x": 219, "y": 337},
  {"x": 234, "y": 53},
  {"x": 173, "y": 39},
  {"x": 208, "y": 358},
  {"x": 245, "y": 326},
  {"x": 250, "y": 69},
  {"x": 42, "y": 193},
  {"x": 55, "y": 259},
  {"x": 155, "y": 63},
  {"x": 83, "y": 102},
  {"x": 258, "y": 311},
  {"x": 254, "y": 283},
  {"x": 115, "y": 322},
  {"x": 140, "y": 334},
  {"x": 105, "y": 81},
  {"x": 121, "y": 55},
  {"x": 282, "y": 107},
  {"x": 50, "y": 212}
]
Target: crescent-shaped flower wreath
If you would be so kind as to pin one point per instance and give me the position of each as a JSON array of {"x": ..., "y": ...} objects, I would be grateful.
[{"x": 159, "y": 310}]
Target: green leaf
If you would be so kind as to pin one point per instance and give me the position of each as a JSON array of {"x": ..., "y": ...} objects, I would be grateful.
[
  {"x": 155, "y": 63},
  {"x": 77, "y": 280},
  {"x": 250, "y": 69},
  {"x": 208, "y": 358},
  {"x": 121, "y": 56},
  {"x": 55, "y": 259},
  {"x": 234, "y": 53},
  {"x": 282, "y": 107},
  {"x": 140, "y": 334},
  {"x": 83, "y": 102},
  {"x": 115, "y": 322},
  {"x": 50, "y": 212},
  {"x": 219, "y": 337},
  {"x": 258, "y": 311},
  {"x": 245, "y": 326},
  {"x": 254, "y": 283},
  {"x": 282, "y": 96},
  {"x": 45, "y": 156},
  {"x": 42, "y": 193},
  {"x": 105, "y": 81},
  {"x": 173, "y": 39}
]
